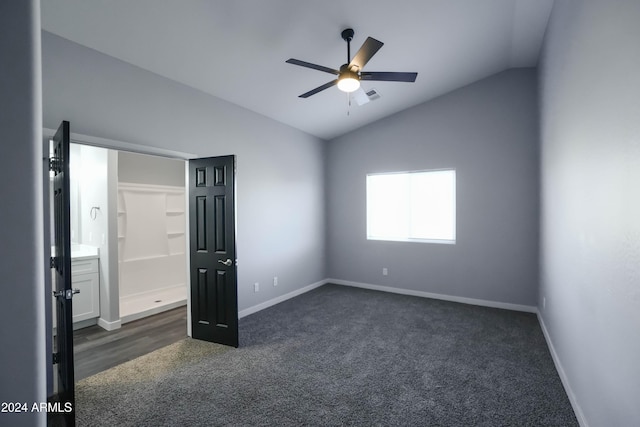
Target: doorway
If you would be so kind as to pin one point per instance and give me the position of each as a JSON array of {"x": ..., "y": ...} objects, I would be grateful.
[
  {"x": 128, "y": 218},
  {"x": 210, "y": 174},
  {"x": 151, "y": 232}
]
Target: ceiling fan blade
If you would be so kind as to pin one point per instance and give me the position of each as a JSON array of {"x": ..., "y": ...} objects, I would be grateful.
[
  {"x": 367, "y": 50},
  {"x": 388, "y": 76},
  {"x": 319, "y": 89},
  {"x": 314, "y": 66}
]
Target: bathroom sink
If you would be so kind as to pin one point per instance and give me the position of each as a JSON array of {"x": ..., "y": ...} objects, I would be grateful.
[
  {"x": 83, "y": 252},
  {"x": 79, "y": 251}
]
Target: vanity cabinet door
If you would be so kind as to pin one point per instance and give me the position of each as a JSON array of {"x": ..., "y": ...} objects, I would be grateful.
[{"x": 85, "y": 277}]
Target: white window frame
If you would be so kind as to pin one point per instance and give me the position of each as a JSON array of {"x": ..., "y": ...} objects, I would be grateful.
[{"x": 409, "y": 238}]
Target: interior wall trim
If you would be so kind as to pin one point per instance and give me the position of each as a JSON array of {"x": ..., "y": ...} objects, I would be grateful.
[
  {"x": 151, "y": 311},
  {"x": 463, "y": 300},
  {"x": 281, "y": 298},
  {"x": 94, "y": 141},
  {"x": 452, "y": 298},
  {"x": 577, "y": 409},
  {"x": 109, "y": 326}
]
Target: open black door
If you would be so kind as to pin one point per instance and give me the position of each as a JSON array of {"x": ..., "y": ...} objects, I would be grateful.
[
  {"x": 214, "y": 294},
  {"x": 64, "y": 395}
]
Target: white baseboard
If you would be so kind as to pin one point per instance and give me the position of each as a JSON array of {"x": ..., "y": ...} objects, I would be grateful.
[
  {"x": 109, "y": 326},
  {"x": 151, "y": 311},
  {"x": 281, "y": 298},
  {"x": 563, "y": 376},
  {"x": 472, "y": 301}
]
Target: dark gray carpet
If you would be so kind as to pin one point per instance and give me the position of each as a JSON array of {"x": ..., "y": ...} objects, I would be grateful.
[{"x": 344, "y": 356}]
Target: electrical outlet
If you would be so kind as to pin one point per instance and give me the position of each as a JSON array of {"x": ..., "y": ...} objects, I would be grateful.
[
  {"x": 385, "y": 272},
  {"x": 275, "y": 280},
  {"x": 256, "y": 287}
]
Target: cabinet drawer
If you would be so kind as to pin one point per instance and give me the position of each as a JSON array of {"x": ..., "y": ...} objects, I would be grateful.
[{"x": 84, "y": 266}]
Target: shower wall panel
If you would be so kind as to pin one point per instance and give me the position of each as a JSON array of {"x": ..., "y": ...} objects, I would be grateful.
[{"x": 151, "y": 238}]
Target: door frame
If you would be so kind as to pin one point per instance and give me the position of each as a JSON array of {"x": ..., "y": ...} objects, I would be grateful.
[
  {"x": 48, "y": 283},
  {"x": 111, "y": 144}
]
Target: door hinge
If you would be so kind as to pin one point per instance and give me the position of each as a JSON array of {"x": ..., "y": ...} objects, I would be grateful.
[
  {"x": 55, "y": 164},
  {"x": 56, "y": 358},
  {"x": 66, "y": 294},
  {"x": 53, "y": 262}
]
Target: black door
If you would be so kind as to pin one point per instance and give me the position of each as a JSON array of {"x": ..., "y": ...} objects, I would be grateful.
[
  {"x": 214, "y": 294},
  {"x": 61, "y": 265}
]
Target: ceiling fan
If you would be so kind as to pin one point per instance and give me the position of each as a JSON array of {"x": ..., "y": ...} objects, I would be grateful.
[{"x": 350, "y": 74}]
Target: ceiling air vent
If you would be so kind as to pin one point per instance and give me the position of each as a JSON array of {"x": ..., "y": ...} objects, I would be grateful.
[{"x": 373, "y": 95}]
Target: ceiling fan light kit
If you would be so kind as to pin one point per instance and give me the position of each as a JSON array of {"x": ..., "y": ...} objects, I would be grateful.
[
  {"x": 350, "y": 74},
  {"x": 348, "y": 80}
]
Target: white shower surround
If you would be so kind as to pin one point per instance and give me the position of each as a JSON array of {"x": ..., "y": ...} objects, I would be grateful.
[{"x": 151, "y": 249}]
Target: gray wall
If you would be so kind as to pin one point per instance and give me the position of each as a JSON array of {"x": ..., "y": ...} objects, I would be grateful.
[
  {"x": 144, "y": 169},
  {"x": 280, "y": 175},
  {"x": 486, "y": 131},
  {"x": 22, "y": 357},
  {"x": 590, "y": 220}
]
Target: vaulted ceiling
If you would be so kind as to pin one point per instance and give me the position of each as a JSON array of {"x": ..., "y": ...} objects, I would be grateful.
[{"x": 236, "y": 50}]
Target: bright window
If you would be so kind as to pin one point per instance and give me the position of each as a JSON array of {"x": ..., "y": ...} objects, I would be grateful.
[{"x": 412, "y": 206}]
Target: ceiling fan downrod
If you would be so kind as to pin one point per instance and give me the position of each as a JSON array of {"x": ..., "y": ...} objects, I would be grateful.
[{"x": 347, "y": 35}]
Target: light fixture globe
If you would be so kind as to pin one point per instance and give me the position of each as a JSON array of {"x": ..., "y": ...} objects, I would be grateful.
[{"x": 348, "y": 80}]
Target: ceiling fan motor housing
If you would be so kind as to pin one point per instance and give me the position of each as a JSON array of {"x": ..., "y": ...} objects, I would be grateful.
[{"x": 344, "y": 68}]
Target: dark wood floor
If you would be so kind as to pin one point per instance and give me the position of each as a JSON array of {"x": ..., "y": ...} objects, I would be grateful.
[{"x": 96, "y": 350}]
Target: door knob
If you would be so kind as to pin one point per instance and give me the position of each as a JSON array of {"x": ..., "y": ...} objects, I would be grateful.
[
  {"x": 66, "y": 293},
  {"x": 228, "y": 262}
]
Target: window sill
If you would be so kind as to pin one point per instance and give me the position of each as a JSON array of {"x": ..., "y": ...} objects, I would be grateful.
[{"x": 399, "y": 239}]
